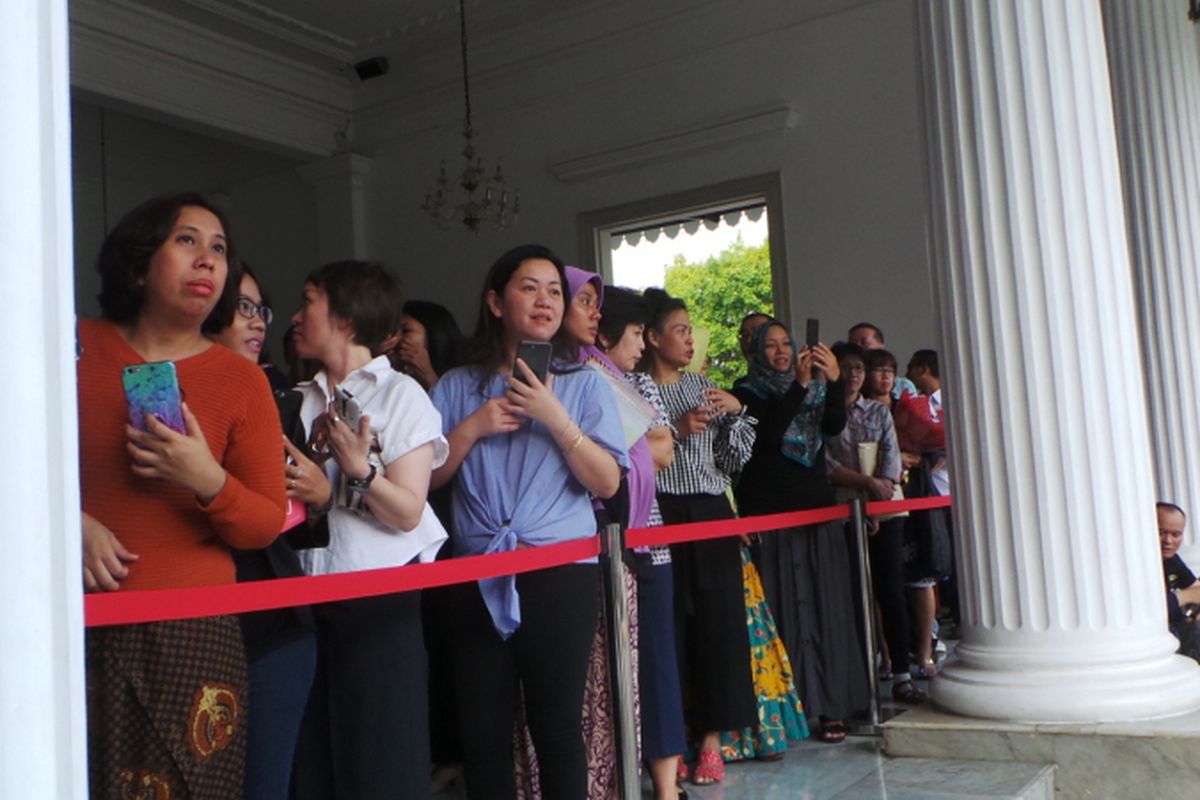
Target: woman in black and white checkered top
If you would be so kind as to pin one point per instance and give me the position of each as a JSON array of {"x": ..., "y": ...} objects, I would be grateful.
[{"x": 715, "y": 438}]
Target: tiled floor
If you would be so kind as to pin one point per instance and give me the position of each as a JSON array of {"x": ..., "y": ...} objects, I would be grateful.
[{"x": 811, "y": 770}]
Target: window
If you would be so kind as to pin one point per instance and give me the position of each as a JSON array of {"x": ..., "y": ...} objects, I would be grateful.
[{"x": 713, "y": 247}]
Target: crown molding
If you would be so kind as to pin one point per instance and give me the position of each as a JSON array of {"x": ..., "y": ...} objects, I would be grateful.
[
  {"x": 280, "y": 26},
  {"x": 578, "y": 57},
  {"x": 167, "y": 66},
  {"x": 707, "y": 136}
]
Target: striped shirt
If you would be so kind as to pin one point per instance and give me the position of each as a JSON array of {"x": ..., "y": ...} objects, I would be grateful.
[{"x": 704, "y": 461}]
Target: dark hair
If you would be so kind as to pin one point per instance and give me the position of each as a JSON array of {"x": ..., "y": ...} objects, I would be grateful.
[
  {"x": 880, "y": 358},
  {"x": 363, "y": 294},
  {"x": 874, "y": 328},
  {"x": 1165, "y": 506},
  {"x": 843, "y": 350},
  {"x": 485, "y": 348},
  {"x": 443, "y": 339},
  {"x": 210, "y": 325},
  {"x": 927, "y": 359},
  {"x": 125, "y": 256},
  {"x": 659, "y": 306},
  {"x": 622, "y": 308}
]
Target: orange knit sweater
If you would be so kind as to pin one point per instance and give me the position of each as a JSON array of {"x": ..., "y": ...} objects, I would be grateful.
[{"x": 180, "y": 542}]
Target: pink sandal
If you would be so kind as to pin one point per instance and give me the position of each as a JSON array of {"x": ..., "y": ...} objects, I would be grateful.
[{"x": 709, "y": 769}]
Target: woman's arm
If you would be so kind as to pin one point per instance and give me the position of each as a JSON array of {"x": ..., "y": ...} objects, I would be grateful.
[
  {"x": 397, "y": 497},
  {"x": 104, "y": 557},
  {"x": 876, "y": 488},
  {"x": 834, "y": 418},
  {"x": 662, "y": 446},
  {"x": 243, "y": 495},
  {"x": 590, "y": 464},
  {"x": 494, "y": 416}
]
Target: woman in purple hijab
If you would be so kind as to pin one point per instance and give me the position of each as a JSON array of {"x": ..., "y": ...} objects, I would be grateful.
[{"x": 607, "y": 325}]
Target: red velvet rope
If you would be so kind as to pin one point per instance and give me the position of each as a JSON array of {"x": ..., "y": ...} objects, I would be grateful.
[{"x": 129, "y": 607}]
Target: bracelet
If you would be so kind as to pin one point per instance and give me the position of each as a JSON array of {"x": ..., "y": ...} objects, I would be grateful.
[
  {"x": 565, "y": 432},
  {"x": 578, "y": 441}
]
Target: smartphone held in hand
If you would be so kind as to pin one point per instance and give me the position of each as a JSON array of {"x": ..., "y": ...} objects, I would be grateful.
[
  {"x": 346, "y": 407},
  {"x": 536, "y": 356},
  {"x": 153, "y": 388}
]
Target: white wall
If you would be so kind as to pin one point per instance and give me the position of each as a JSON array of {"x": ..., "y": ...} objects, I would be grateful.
[{"x": 850, "y": 169}]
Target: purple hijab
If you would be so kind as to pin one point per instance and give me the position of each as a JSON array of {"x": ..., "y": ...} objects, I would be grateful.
[{"x": 641, "y": 464}]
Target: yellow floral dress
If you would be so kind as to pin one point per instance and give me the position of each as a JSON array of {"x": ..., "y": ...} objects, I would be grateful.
[{"x": 780, "y": 712}]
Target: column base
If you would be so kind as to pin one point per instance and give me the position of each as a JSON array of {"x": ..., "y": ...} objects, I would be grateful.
[{"x": 1160, "y": 686}]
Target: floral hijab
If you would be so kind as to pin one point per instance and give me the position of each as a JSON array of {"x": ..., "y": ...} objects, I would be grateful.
[{"x": 802, "y": 440}]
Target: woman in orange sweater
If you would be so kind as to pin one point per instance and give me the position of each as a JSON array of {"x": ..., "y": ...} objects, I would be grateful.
[{"x": 162, "y": 508}]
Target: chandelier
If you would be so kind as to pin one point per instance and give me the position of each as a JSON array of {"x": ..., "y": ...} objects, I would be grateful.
[{"x": 481, "y": 199}]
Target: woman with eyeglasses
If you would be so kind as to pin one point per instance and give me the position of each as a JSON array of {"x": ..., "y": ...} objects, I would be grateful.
[{"x": 281, "y": 646}]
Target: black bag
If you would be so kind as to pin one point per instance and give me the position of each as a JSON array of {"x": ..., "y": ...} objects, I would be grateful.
[{"x": 928, "y": 552}]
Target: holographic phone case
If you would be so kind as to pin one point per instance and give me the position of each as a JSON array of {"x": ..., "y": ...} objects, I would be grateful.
[{"x": 153, "y": 388}]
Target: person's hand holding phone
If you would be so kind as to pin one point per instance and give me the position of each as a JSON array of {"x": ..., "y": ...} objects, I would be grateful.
[
  {"x": 531, "y": 398},
  {"x": 303, "y": 478},
  {"x": 824, "y": 364},
  {"x": 182, "y": 459},
  {"x": 105, "y": 559},
  {"x": 695, "y": 421},
  {"x": 721, "y": 401},
  {"x": 350, "y": 447},
  {"x": 804, "y": 366}
]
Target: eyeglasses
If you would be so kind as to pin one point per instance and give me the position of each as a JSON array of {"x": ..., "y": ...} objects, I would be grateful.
[
  {"x": 882, "y": 370},
  {"x": 250, "y": 309}
]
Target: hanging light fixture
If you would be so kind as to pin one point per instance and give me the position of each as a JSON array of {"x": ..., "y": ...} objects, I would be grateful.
[{"x": 482, "y": 200}]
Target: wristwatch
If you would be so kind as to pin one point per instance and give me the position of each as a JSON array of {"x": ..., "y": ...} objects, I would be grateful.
[
  {"x": 360, "y": 485},
  {"x": 356, "y": 491}
]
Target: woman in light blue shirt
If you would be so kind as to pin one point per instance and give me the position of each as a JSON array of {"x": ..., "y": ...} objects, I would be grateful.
[{"x": 525, "y": 459}]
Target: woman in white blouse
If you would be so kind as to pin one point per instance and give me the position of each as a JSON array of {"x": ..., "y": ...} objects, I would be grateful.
[{"x": 365, "y": 733}]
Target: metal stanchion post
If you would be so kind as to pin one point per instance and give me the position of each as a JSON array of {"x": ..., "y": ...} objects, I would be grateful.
[
  {"x": 620, "y": 661},
  {"x": 859, "y": 518}
]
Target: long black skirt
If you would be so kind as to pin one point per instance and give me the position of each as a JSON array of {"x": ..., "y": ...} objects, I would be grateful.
[
  {"x": 710, "y": 620},
  {"x": 811, "y": 583}
]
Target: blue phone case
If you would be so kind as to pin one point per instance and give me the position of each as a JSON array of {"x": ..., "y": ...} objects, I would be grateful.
[{"x": 153, "y": 388}]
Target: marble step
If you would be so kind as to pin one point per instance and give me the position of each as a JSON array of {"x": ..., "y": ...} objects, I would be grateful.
[
  {"x": 941, "y": 779},
  {"x": 1154, "y": 758}
]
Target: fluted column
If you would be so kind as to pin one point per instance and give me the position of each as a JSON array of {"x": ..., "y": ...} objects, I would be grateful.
[
  {"x": 41, "y": 630},
  {"x": 1156, "y": 93},
  {"x": 1061, "y": 583}
]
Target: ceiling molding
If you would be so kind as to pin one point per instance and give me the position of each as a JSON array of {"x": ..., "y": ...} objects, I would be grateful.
[
  {"x": 764, "y": 122},
  {"x": 281, "y": 26},
  {"x": 171, "y": 67},
  {"x": 508, "y": 75}
]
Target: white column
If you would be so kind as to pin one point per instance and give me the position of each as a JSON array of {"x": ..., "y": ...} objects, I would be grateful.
[
  {"x": 42, "y": 744},
  {"x": 341, "y": 184},
  {"x": 1059, "y": 573},
  {"x": 1156, "y": 91}
]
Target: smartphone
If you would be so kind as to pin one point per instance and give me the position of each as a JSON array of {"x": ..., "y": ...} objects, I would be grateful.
[
  {"x": 153, "y": 388},
  {"x": 812, "y": 335},
  {"x": 346, "y": 407},
  {"x": 536, "y": 356}
]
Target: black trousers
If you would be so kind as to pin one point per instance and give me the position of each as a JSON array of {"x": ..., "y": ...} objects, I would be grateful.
[
  {"x": 886, "y": 551},
  {"x": 548, "y": 655},
  {"x": 710, "y": 620},
  {"x": 365, "y": 733}
]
